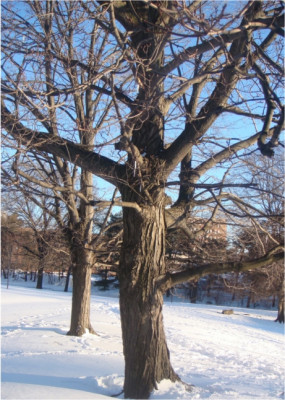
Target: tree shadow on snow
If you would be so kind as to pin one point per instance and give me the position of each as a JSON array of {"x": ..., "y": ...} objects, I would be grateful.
[
  {"x": 85, "y": 384},
  {"x": 9, "y": 330}
]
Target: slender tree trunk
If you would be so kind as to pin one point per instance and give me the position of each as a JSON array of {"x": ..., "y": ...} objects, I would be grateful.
[
  {"x": 273, "y": 301},
  {"x": 280, "y": 315},
  {"x": 142, "y": 261},
  {"x": 193, "y": 292},
  {"x": 81, "y": 293},
  {"x": 8, "y": 276},
  {"x": 42, "y": 249},
  {"x": 248, "y": 301},
  {"x": 40, "y": 277},
  {"x": 67, "y": 278}
]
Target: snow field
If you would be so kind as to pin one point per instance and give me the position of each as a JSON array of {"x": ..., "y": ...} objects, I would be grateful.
[{"x": 239, "y": 356}]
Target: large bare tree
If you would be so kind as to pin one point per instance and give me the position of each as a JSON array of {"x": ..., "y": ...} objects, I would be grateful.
[{"x": 168, "y": 76}]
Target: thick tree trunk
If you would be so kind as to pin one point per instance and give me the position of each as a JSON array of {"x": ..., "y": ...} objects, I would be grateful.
[
  {"x": 142, "y": 261},
  {"x": 81, "y": 293}
]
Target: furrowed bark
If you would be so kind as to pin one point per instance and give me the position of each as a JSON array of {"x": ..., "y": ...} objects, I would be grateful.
[{"x": 146, "y": 354}]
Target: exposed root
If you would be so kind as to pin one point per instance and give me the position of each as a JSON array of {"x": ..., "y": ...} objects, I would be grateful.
[
  {"x": 187, "y": 386},
  {"x": 79, "y": 333}
]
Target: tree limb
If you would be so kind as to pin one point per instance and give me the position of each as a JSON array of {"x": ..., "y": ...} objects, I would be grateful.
[
  {"x": 169, "y": 280},
  {"x": 221, "y": 39},
  {"x": 101, "y": 166}
]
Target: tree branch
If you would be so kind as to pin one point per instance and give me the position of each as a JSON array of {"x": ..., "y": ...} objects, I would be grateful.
[
  {"x": 99, "y": 165},
  {"x": 128, "y": 204},
  {"x": 243, "y": 144},
  {"x": 56, "y": 188},
  {"x": 169, "y": 280},
  {"x": 195, "y": 129},
  {"x": 221, "y": 39},
  {"x": 211, "y": 185}
]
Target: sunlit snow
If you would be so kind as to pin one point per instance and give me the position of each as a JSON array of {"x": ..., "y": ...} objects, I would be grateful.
[{"x": 238, "y": 356}]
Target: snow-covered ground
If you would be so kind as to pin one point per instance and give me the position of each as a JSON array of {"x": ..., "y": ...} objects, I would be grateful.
[{"x": 239, "y": 356}]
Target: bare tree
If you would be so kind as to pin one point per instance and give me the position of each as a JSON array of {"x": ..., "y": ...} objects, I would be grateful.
[
  {"x": 258, "y": 236},
  {"x": 38, "y": 243},
  {"x": 9, "y": 225},
  {"x": 166, "y": 75},
  {"x": 68, "y": 185},
  {"x": 48, "y": 198}
]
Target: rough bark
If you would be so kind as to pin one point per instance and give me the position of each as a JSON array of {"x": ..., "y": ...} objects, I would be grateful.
[
  {"x": 146, "y": 354},
  {"x": 80, "y": 312}
]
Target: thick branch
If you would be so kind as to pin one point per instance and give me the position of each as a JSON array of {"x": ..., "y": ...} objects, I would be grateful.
[
  {"x": 99, "y": 165},
  {"x": 222, "y": 155},
  {"x": 211, "y": 185},
  {"x": 218, "y": 99},
  {"x": 169, "y": 280}
]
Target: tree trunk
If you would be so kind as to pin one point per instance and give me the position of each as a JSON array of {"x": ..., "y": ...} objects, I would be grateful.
[
  {"x": 248, "y": 301},
  {"x": 42, "y": 250},
  {"x": 40, "y": 278},
  {"x": 142, "y": 261},
  {"x": 280, "y": 315},
  {"x": 273, "y": 301},
  {"x": 193, "y": 292},
  {"x": 67, "y": 278},
  {"x": 81, "y": 293}
]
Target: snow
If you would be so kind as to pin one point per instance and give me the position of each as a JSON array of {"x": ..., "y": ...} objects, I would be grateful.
[{"x": 238, "y": 356}]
